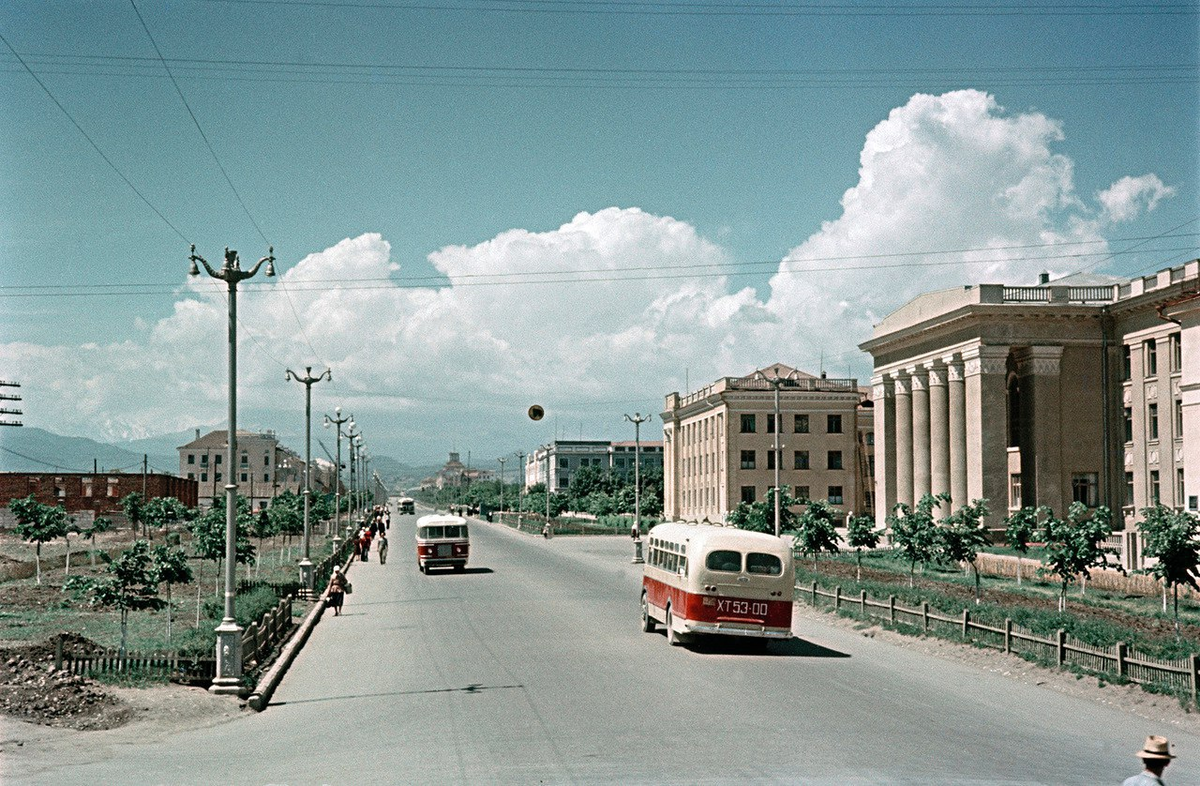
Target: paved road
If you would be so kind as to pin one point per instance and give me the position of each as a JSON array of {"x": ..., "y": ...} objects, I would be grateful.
[{"x": 529, "y": 668}]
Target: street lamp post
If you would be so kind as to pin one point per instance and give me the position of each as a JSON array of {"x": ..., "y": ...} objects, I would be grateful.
[
  {"x": 547, "y": 449},
  {"x": 351, "y": 436},
  {"x": 520, "y": 488},
  {"x": 637, "y": 420},
  {"x": 228, "y": 679},
  {"x": 308, "y": 380},
  {"x": 502, "y": 459},
  {"x": 776, "y": 382},
  {"x": 338, "y": 420}
]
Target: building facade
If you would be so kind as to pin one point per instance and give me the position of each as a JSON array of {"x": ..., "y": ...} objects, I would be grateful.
[
  {"x": 87, "y": 495},
  {"x": 265, "y": 468},
  {"x": 565, "y": 457},
  {"x": 1084, "y": 389},
  {"x": 719, "y": 443}
]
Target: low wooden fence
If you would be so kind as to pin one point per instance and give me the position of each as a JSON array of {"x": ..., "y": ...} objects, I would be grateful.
[
  {"x": 258, "y": 640},
  {"x": 1180, "y": 675}
]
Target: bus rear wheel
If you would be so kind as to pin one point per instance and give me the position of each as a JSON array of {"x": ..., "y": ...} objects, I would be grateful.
[
  {"x": 673, "y": 638},
  {"x": 647, "y": 621}
]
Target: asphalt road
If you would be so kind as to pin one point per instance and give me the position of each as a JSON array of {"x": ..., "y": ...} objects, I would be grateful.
[{"x": 530, "y": 668}]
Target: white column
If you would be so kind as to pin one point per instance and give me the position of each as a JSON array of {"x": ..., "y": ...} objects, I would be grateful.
[
  {"x": 987, "y": 425},
  {"x": 904, "y": 438},
  {"x": 957, "y": 431},
  {"x": 920, "y": 432},
  {"x": 939, "y": 430},
  {"x": 883, "y": 391}
]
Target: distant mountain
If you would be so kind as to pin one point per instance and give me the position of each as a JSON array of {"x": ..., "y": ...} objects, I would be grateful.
[
  {"x": 28, "y": 449},
  {"x": 398, "y": 475}
]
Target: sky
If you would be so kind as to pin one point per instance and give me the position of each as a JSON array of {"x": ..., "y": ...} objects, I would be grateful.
[{"x": 479, "y": 205}]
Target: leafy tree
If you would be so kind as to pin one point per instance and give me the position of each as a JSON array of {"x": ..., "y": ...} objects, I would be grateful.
[
  {"x": 861, "y": 534},
  {"x": 816, "y": 528},
  {"x": 99, "y": 525},
  {"x": 208, "y": 536},
  {"x": 1020, "y": 528},
  {"x": 1076, "y": 545},
  {"x": 1173, "y": 538},
  {"x": 38, "y": 524},
  {"x": 914, "y": 531},
  {"x": 285, "y": 516},
  {"x": 162, "y": 512},
  {"x": 131, "y": 585},
  {"x": 171, "y": 568},
  {"x": 133, "y": 504},
  {"x": 963, "y": 534},
  {"x": 760, "y": 516}
]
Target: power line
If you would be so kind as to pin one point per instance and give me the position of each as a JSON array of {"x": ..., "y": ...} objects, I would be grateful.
[{"x": 92, "y": 142}]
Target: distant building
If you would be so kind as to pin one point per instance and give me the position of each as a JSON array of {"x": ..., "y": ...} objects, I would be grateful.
[
  {"x": 265, "y": 468},
  {"x": 1085, "y": 389},
  {"x": 86, "y": 495},
  {"x": 454, "y": 474},
  {"x": 565, "y": 457},
  {"x": 719, "y": 443}
]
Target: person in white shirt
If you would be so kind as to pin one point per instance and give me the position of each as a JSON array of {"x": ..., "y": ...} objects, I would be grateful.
[{"x": 1155, "y": 756}]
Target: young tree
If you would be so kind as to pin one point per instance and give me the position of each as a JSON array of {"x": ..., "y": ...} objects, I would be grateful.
[
  {"x": 264, "y": 526},
  {"x": 816, "y": 529},
  {"x": 1076, "y": 545},
  {"x": 1173, "y": 538},
  {"x": 131, "y": 585},
  {"x": 37, "y": 524},
  {"x": 171, "y": 568},
  {"x": 760, "y": 516},
  {"x": 99, "y": 525},
  {"x": 133, "y": 503},
  {"x": 69, "y": 528},
  {"x": 162, "y": 512},
  {"x": 914, "y": 531},
  {"x": 963, "y": 534},
  {"x": 1019, "y": 530},
  {"x": 861, "y": 534}
]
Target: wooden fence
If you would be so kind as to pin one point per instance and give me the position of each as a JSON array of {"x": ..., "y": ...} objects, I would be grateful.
[
  {"x": 258, "y": 641},
  {"x": 1180, "y": 675}
]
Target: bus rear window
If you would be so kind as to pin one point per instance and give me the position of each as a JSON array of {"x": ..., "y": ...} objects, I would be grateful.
[
  {"x": 430, "y": 532},
  {"x": 767, "y": 564},
  {"x": 727, "y": 561}
]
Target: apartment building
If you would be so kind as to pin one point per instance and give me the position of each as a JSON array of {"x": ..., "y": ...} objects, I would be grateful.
[
  {"x": 265, "y": 468},
  {"x": 565, "y": 457},
  {"x": 1082, "y": 389},
  {"x": 719, "y": 443}
]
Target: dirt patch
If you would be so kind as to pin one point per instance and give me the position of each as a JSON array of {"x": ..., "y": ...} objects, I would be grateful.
[
  {"x": 1150, "y": 627},
  {"x": 32, "y": 690}
]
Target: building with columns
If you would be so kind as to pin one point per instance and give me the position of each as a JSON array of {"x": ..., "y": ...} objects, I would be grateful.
[
  {"x": 1082, "y": 389},
  {"x": 719, "y": 443}
]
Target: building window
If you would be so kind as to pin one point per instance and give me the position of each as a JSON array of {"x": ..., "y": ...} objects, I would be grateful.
[
  {"x": 1128, "y": 489},
  {"x": 1085, "y": 488},
  {"x": 870, "y": 439},
  {"x": 218, "y": 458},
  {"x": 1177, "y": 353},
  {"x": 1152, "y": 422},
  {"x": 748, "y": 495},
  {"x": 833, "y": 424},
  {"x": 1179, "y": 488},
  {"x": 803, "y": 495},
  {"x": 834, "y": 459},
  {"x": 771, "y": 459},
  {"x": 747, "y": 424},
  {"x": 801, "y": 459},
  {"x": 203, "y": 477},
  {"x": 835, "y": 495},
  {"x": 245, "y": 460},
  {"x": 770, "y": 423},
  {"x": 266, "y": 460},
  {"x": 266, "y": 477},
  {"x": 244, "y": 477},
  {"x": 747, "y": 459},
  {"x": 87, "y": 487},
  {"x": 1129, "y": 424},
  {"x": 1014, "y": 492},
  {"x": 204, "y": 460},
  {"x": 1178, "y": 418},
  {"x": 217, "y": 478},
  {"x": 113, "y": 483},
  {"x": 1126, "y": 363},
  {"x": 802, "y": 424},
  {"x": 562, "y": 463},
  {"x": 191, "y": 476},
  {"x": 191, "y": 458},
  {"x": 1150, "y": 348},
  {"x": 1154, "y": 491}
]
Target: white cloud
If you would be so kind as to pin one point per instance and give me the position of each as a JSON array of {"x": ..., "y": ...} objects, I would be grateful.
[
  {"x": 940, "y": 173},
  {"x": 1125, "y": 199}
]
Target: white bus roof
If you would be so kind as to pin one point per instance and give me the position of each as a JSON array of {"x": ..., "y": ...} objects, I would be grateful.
[
  {"x": 713, "y": 536},
  {"x": 439, "y": 518}
]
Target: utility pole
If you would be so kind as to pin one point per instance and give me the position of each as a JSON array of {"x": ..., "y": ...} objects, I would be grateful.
[
  {"x": 229, "y": 633},
  {"x": 502, "y": 459},
  {"x": 637, "y": 420},
  {"x": 9, "y": 397},
  {"x": 338, "y": 420},
  {"x": 308, "y": 380}
]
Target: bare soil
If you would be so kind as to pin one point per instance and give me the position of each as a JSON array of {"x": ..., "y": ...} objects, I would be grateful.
[
  {"x": 31, "y": 689},
  {"x": 1150, "y": 627}
]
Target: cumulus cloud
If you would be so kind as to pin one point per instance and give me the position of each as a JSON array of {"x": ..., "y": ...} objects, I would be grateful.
[
  {"x": 610, "y": 306},
  {"x": 1125, "y": 199}
]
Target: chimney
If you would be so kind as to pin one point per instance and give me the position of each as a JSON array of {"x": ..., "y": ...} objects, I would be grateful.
[
  {"x": 197, "y": 433},
  {"x": 1043, "y": 278}
]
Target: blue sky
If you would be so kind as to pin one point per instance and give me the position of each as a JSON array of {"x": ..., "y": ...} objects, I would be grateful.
[{"x": 447, "y": 141}]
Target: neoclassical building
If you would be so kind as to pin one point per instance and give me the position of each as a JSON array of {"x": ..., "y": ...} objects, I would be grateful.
[{"x": 1082, "y": 389}]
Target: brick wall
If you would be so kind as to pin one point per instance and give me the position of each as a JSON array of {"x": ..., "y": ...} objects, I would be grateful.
[{"x": 85, "y": 493}]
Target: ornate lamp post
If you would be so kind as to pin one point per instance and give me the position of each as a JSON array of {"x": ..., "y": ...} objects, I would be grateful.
[
  {"x": 520, "y": 488},
  {"x": 501, "y": 460},
  {"x": 776, "y": 382},
  {"x": 308, "y": 380},
  {"x": 229, "y": 634},
  {"x": 637, "y": 420},
  {"x": 338, "y": 420}
]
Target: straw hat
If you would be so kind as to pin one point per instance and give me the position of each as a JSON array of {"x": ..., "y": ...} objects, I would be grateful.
[{"x": 1156, "y": 747}]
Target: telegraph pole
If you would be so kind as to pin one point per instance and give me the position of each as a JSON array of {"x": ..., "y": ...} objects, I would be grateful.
[
  {"x": 337, "y": 484},
  {"x": 9, "y": 397},
  {"x": 308, "y": 380}
]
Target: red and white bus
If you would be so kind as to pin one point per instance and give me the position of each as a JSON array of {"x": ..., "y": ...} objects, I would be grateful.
[
  {"x": 442, "y": 541},
  {"x": 706, "y": 579}
]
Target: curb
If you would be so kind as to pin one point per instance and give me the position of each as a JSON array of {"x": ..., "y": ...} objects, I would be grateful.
[{"x": 261, "y": 696}]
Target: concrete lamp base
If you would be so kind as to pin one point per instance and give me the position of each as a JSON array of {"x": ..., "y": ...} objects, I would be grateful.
[
  {"x": 229, "y": 660},
  {"x": 637, "y": 552}
]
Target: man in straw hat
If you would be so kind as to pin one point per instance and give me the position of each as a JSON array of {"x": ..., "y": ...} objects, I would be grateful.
[{"x": 1155, "y": 756}]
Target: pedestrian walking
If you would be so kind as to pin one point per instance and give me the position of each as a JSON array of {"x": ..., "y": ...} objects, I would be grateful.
[
  {"x": 364, "y": 544},
  {"x": 383, "y": 546},
  {"x": 1155, "y": 756},
  {"x": 337, "y": 590}
]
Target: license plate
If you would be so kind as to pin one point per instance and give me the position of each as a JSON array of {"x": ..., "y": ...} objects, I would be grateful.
[{"x": 443, "y": 551}]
